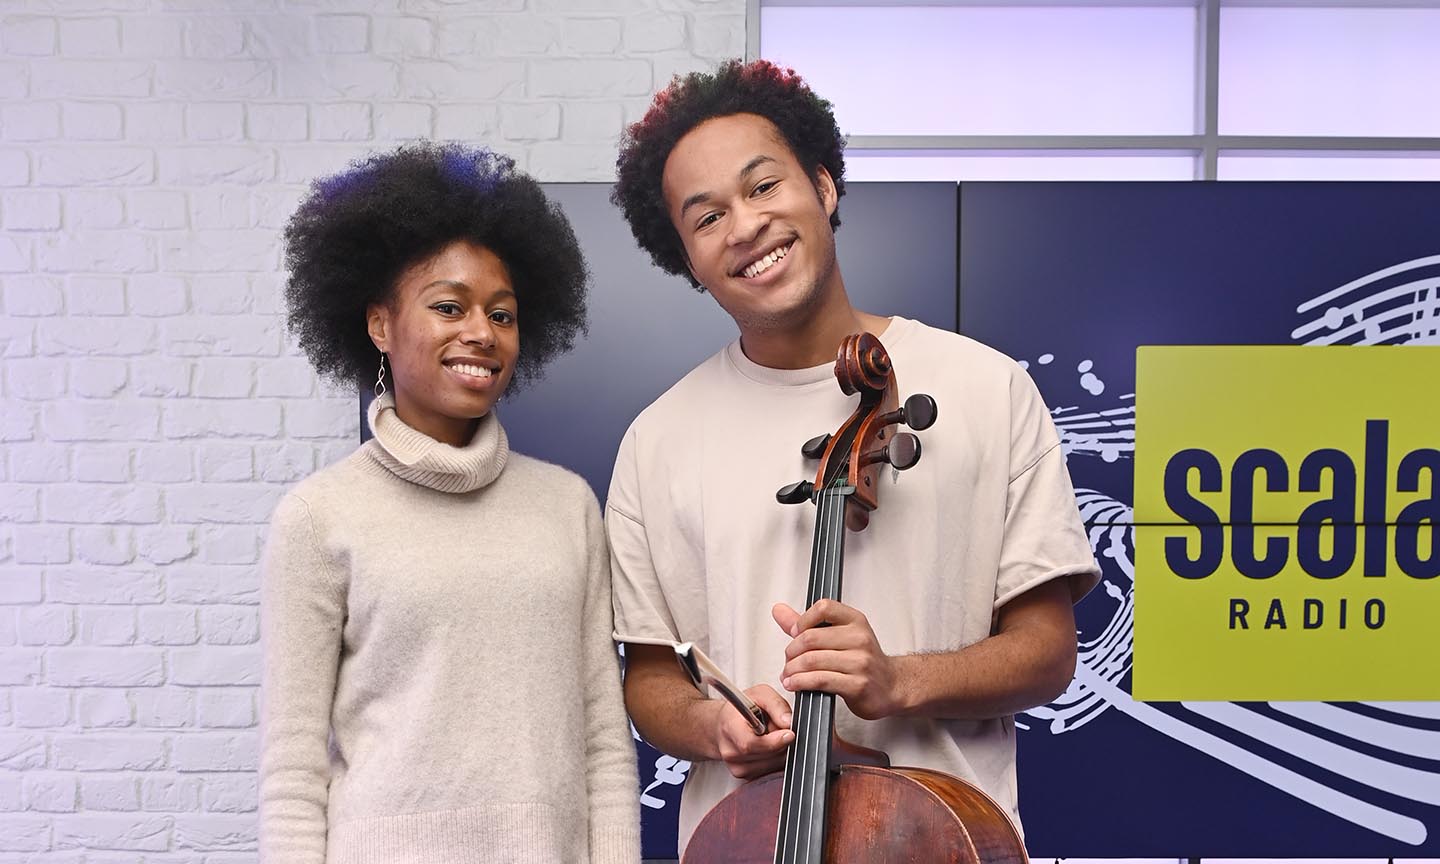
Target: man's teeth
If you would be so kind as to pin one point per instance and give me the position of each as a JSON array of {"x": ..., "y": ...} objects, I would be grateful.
[
  {"x": 765, "y": 263},
  {"x": 473, "y": 371}
]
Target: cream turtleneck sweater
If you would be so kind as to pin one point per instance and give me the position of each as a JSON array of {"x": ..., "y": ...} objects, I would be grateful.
[{"x": 440, "y": 684}]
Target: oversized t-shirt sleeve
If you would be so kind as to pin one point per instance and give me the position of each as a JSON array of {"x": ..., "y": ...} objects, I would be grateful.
[
  {"x": 1044, "y": 538},
  {"x": 641, "y": 611}
]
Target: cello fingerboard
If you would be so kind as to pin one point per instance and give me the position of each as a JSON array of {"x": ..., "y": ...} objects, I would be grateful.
[{"x": 800, "y": 835}]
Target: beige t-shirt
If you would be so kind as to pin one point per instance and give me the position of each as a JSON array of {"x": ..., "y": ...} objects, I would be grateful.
[{"x": 701, "y": 550}]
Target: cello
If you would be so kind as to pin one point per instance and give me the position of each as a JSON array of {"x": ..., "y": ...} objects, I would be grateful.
[{"x": 836, "y": 803}]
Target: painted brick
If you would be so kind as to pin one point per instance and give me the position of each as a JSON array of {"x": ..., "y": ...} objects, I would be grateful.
[
  {"x": 169, "y": 625},
  {"x": 35, "y": 380},
  {"x": 171, "y": 793},
  {"x": 214, "y": 79},
  {"x": 12, "y": 798},
  {"x": 107, "y": 625},
  {"x": 15, "y": 254},
  {"x": 95, "y": 504},
  {"x": 22, "y": 667},
  {"x": 104, "y": 544},
  {"x": 220, "y": 294},
  {"x": 39, "y": 463},
  {"x": 215, "y": 664},
  {"x": 31, "y": 295},
  {"x": 210, "y": 165},
  {"x": 105, "y": 708},
  {"x": 90, "y": 37},
  {"x": 151, "y": 36},
  {"x": 654, "y": 31},
  {"x": 231, "y": 544},
  {"x": 155, "y": 121},
  {"x": 96, "y": 252},
  {"x": 500, "y": 36},
  {"x": 102, "y": 464},
  {"x": 155, "y": 295},
  {"x": 579, "y": 79},
  {"x": 213, "y": 583},
  {"x": 216, "y": 751},
  {"x": 162, "y": 708},
  {"x": 114, "y": 793},
  {"x": 289, "y": 376},
  {"x": 591, "y": 36},
  {"x": 214, "y": 38},
  {"x": 105, "y": 667},
  {"x": 18, "y": 503},
  {"x": 301, "y": 166},
  {"x": 22, "y": 751},
  {"x": 103, "y": 421},
  {"x": 411, "y": 37},
  {"x": 95, "y": 208},
  {"x": 284, "y": 462},
  {"x": 214, "y": 121},
  {"x": 110, "y": 585},
  {"x": 70, "y": 79},
  {"x": 93, "y": 121},
  {"x": 344, "y": 121},
  {"x": 539, "y": 122},
  {"x": 226, "y": 708},
  {"x": 53, "y": 793},
  {"x": 223, "y": 462},
  {"x": 271, "y": 207},
  {"x": 220, "y": 207},
  {"x": 341, "y": 34},
  {"x": 40, "y": 707},
  {"x": 41, "y": 544},
  {"x": 14, "y": 168},
  {"x": 209, "y": 336},
  {"x": 342, "y": 77},
  {"x": 466, "y": 122},
  {"x": 230, "y": 625},
  {"x": 222, "y": 418},
  {"x": 230, "y": 503},
  {"x": 231, "y": 793},
  {"x": 272, "y": 122},
  {"x": 35, "y": 121},
  {"x": 400, "y": 121},
  {"x": 157, "y": 209},
  {"x": 27, "y": 36},
  {"x": 321, "y": 419},
  {"x": 143, "y": 833},
  {"x": 96, "y": 295},
  {"x": 220, "y": 251},
  {"x": 32, "y": 210},
  {"x": 463, "y": 78},
  {"x": 97, "y": 379},
  {"x": 163, "y": 463},
  {"x": 216, "y": 831},
  {"x": 551, "y": 160}
]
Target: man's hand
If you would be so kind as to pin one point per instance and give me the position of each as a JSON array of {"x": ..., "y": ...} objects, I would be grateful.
[
  {"x": 833, "y": 649},
  {"x": 746, "y": 754}
]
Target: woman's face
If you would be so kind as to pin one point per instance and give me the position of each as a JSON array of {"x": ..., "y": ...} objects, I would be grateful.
[{"x": 449, "y": 330}]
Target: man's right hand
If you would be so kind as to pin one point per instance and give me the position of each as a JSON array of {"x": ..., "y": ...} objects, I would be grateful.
[{"x": 746, "y": 754}]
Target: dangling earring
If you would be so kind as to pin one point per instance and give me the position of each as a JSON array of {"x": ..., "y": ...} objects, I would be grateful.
[{"x": 380, "y": 378}]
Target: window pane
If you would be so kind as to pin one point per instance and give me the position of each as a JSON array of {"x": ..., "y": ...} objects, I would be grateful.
[
  {"x": 1329, "y": 71},
  {"x": 1292, "y": 165},
  {"x": 993, "y": 71},
  {"x": 879, "y": 165}
]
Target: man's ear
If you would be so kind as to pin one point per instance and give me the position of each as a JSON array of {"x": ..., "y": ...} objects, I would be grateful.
[
  {"x": 377, "y": 323},
  {"x": 825, "y": 188}
]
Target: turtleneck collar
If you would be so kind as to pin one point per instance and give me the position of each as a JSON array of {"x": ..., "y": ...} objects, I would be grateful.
[{"x": 414, "y": 456}]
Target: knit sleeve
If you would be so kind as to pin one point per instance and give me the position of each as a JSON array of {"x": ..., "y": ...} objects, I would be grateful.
[
  {"x": 613, "y": 785},
  {"x": 302, "y": 611}
]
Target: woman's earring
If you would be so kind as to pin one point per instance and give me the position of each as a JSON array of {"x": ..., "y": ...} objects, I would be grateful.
[{"x": 380, "y": 377}]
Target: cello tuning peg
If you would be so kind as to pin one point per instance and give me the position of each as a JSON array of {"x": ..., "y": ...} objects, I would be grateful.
[
  {"x": 919, "y": 411},
  {"x": 795, "y": 493},
  {"x": 901, "y": 453},
  {"x": 815, "y": 447}
]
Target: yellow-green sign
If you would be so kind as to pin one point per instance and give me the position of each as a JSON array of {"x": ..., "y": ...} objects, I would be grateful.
[{"x": 1285, "y": 507}]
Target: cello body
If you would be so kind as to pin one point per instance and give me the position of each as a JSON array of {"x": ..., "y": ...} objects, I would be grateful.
[{"x": 877, "y": 816}]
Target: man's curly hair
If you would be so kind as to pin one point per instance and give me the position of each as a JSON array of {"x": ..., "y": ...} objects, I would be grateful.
[
  {"x": 806, "y": 121},
  {"x": 356, "y": 232}
]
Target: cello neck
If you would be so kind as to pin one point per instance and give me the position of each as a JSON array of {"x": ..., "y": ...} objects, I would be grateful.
[{"x": 800, "y": 837}]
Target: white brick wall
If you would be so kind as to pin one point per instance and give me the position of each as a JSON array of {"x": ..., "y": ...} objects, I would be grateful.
[{"x": 153, "y": 409}]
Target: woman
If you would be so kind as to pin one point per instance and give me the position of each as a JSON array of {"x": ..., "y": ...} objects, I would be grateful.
[{"x": 440, "y": 684}]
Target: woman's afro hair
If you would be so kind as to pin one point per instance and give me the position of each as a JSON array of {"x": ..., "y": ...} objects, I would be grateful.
[
  {"x": 356, "y": 232},
  {"x": 779, "y": 95}
]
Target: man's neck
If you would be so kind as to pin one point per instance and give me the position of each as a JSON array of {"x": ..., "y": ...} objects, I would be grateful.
[{"x": 811, "y": 342}]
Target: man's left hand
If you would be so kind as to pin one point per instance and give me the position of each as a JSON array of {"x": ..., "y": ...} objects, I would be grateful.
[{"x": 834, "y": 649}]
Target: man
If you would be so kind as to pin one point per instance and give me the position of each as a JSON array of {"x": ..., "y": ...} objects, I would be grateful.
[{"x": 957, "y": 598}]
